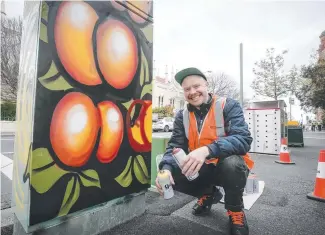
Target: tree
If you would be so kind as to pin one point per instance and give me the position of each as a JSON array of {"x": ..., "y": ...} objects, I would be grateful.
[
  {"x": 11, "y": 33},
  {"x": 271, "y": 80},
  {"x": 312, "y": 90},
  {"x": 222, "y": 85}
]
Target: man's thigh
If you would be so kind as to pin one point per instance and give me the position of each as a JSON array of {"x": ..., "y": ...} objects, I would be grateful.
[{"x": 208, "y": 176}]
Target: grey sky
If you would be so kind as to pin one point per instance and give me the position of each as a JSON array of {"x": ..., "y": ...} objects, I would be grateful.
[{"x": 207, "y": 33}]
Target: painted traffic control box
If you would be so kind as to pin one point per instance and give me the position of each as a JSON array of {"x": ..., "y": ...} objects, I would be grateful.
[{"x": 84, "y": 106}]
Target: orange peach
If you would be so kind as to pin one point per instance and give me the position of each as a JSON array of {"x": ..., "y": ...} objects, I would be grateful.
[
  {"x": 73, "y": 30},
  {"x": 117, "y": 5},
  {"x": 74, "y": 128},
  {"x": 111, "y": 131},
  {"x": 139, "y": 133},
  {"x": 148, "y": 123},
  {"x": 139, "y": 10},
  {"x": 117, "y": 53}
]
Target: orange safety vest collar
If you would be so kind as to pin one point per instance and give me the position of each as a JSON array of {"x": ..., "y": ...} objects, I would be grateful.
[{"x": 212, "y": 129}]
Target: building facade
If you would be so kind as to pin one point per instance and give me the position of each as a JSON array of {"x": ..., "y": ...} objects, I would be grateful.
[{"x": 167, "y": 93}]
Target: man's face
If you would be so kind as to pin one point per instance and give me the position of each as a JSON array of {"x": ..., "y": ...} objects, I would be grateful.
[{"x": 195, "y": 90}]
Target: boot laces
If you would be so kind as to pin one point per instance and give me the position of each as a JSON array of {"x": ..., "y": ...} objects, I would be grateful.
[
  {"x": 202, "y": 200},
  {"x": 236, "y": 217}
]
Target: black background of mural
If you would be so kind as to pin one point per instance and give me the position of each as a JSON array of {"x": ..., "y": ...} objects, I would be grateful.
[{"x": 46, "y": 206}]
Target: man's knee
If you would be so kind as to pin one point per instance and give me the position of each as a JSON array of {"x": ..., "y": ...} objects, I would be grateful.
[{"x": 234, "y": 171}]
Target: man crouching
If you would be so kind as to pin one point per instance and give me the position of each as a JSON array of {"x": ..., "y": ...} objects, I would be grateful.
[{"x": 213, "y": 131}]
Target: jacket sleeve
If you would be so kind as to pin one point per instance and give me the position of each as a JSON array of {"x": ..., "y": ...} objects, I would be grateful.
[
  {"x": 238, "y": 138},
  {"x": 177, "y": 140}
]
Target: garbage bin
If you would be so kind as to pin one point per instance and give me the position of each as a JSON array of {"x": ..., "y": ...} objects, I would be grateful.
[
  {"x": 158, "y": 147},
  {"x": 295, "y": 136}
]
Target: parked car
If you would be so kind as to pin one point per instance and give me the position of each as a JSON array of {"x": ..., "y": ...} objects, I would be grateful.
[{"x": 166, "y": 124}]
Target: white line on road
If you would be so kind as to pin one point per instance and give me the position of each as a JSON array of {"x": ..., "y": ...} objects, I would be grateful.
[
  {"x": 6, "y": 166},
  {"x": 314, "y": 138},
  {"x": 7, "y": 139},
  {"x": 7, "y": 153}
]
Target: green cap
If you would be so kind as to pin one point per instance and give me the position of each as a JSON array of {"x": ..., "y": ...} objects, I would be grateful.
[
  {"x": 181, "y": 75},
  {"x": 323, "y": 34}
]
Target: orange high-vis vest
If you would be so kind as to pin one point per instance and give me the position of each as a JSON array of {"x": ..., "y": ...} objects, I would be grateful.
[{"x": 212, "y": 129}]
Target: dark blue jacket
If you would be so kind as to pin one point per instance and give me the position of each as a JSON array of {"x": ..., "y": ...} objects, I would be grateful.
[{"x": 237, "y": 141}]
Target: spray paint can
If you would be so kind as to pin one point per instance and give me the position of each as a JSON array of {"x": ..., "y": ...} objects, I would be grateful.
[
  {"x": 180, "y": 156},
  {"x": 164, "y": 181}
]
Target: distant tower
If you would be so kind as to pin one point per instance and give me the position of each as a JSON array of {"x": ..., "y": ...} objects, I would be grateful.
[
  {"x": 166, "y": 72},
  {"x": 172, "y": 74},
  {"x": 3, "y": 9}
]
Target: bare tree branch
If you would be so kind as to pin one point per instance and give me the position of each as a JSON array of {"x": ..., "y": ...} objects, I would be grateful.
[
  {"x": 11, "y": 33},
  {"x": 270, "y": 78},
  {"x": 223, "y": 85}
]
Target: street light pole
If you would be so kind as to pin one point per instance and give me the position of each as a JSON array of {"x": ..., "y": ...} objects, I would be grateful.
[{"x": 241, "y": 76}]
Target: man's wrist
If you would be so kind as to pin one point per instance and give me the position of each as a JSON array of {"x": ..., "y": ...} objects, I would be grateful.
[{"x": 210, "y": 153}]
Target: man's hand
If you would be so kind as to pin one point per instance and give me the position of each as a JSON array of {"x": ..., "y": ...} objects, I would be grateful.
[
  {"x": 194, "y": 161},
  {"x": 159, "y": 188}
]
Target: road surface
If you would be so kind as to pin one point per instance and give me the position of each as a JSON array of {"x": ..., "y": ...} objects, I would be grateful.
[{"x": 305, "y": 158}]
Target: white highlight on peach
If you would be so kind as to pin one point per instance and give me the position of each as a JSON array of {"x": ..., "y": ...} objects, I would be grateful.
[
  {"x": 119, "y": 44},
  {"x": 77, "y": 119},
  {"x": 113, "y": 118}
]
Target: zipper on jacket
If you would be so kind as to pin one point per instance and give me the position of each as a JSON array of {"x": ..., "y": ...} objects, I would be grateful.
[{"x": 201, "y": 125}]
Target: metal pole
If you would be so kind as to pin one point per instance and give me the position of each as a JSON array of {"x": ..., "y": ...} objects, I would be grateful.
[
  {"x": 241, "y": 76},
  {"x": 290, "y": 112}
]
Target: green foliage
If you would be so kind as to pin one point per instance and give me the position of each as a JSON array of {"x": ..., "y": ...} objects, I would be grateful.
[
  {"x": 312, "y": 91},
  {"x": 271, "y": 80},
  {"x": 8, "y": 111},
  {"x": 166, "y": 111}
]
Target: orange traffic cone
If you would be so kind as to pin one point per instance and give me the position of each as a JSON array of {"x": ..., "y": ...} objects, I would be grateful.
[
  {"x": 284, "y": 153},
  {"x": 319, "y": 191}
]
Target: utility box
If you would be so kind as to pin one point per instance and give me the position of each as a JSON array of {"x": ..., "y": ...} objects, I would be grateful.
[
  {"x": 83, "y": 121},
  {"x": 266, "y": 121}
]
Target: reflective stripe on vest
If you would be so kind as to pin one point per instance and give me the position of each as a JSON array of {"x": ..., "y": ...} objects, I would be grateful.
[
  {"x": 218, "y": 114},
  {"x": 204, "y": 137}
]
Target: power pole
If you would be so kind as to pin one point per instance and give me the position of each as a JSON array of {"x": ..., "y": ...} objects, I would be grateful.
[
  {"x": 241, "y": 76},
  {"x": 291, "y": 102}
]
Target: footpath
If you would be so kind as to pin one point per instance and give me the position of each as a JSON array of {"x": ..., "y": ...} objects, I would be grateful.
[{"x": 283, "y": 208}]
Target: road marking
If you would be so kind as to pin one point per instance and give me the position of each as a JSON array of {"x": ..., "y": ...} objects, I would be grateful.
[
  {"x": 314, "y": 138},
  {"x": 6, "y": 166},
  {"x": 311, "y": 132},
  {"x": 7, "y": 153},
  {"x": 7, "y": 139}
]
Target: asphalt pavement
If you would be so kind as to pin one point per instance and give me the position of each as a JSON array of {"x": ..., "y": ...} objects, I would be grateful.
[{"x": 283, "y": 208}]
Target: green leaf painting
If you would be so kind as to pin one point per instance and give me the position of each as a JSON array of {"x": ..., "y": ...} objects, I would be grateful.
[
  {"x": 71, "y": 195},
  {"x": 127, "y": 104},
  {"x": 43, "y": 33},
  {"x": 147, "y": 89},
  {"x": 52, "y": 80},
  {"x": 140, "y": 170},
  {"x": 125, "y": 178},
  {"x": 45, "y": 11},
  {"x": 147, "y": 31},
  {"x": 144, "y": 73},
  {"x": 90, "y": 178},
  {"x": 45, "y": 173}
]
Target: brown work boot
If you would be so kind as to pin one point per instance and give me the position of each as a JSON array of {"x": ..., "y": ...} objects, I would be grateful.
[
  {"x": 238, "y": 223},
  {"x": 204, "y": 204}
]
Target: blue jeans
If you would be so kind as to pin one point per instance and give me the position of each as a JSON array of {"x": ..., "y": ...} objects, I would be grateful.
[{"x": 230, "y": 173}]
